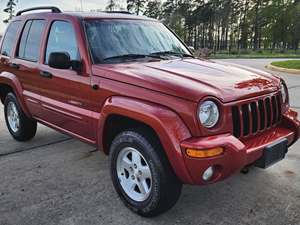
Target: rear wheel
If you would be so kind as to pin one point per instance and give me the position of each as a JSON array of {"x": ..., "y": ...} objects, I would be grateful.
[
  {"x": 19, "y": 125},
  {"x": 141, "y": 173}
]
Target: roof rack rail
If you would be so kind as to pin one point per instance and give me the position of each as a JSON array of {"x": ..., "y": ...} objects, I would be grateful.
[
  {"x": 52, "y": 8},
  {"x": 123, "y": 12}
]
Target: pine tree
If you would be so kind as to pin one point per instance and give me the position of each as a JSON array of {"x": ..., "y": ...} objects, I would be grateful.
[
  {"x": 112, "y": 5},
  {"x": 153, "y": 8},
  {"x": 136, "y": 5},
  {"x": 10, "y": 10}
]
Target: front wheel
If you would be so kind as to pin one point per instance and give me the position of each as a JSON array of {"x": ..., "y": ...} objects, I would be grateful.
[
  {"x": 141, "y": 173},
  {"x": 19, "y": 125}
]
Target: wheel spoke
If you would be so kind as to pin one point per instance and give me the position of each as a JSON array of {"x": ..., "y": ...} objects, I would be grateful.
[
  {"x": 136, "y": 159},
  {"x": 129, "y": 184},
  {"x": 141, "y": 188},
  {"x": 146, "y": 173},
  {"x": 145, "y": 185},
  {"x": 126, "y": 163},
  {"x": 15, "y": 109}
]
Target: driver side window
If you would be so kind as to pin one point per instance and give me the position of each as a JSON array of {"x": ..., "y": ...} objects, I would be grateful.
[{"x": 62, "y": 38}]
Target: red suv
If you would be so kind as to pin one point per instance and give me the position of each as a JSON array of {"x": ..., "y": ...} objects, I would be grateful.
[{"x": 131, "y": 87}]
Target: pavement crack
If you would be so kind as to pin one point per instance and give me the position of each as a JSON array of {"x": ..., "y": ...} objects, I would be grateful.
[{"x": 35, "y": 147}]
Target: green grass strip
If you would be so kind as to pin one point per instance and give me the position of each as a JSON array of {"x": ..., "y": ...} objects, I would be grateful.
[{"x": 289, "y": 64}]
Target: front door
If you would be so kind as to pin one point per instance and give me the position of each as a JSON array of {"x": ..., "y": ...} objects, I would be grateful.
[{"x": 65, "y": 92}]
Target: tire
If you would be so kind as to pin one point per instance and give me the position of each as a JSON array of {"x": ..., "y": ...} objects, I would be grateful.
[
  {"x": 164, "y": 188},
  {"x": 25, "y": 128}
]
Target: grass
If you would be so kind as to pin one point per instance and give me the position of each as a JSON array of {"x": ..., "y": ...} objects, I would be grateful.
[{"x": 289, "y": 64}]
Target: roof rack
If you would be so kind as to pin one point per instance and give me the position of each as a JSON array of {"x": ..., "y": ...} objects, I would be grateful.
[
  {"x": 52, "y": 8},
  {"x": 123, "y": 12}
]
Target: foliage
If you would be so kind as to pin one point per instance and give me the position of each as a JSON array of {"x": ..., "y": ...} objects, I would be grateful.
[
  {"x": 10, "y": 10},
  {"x": 112, "y": 5},
  {"x": 136, "y": 5},
  {"x": 153, "y": 9}
]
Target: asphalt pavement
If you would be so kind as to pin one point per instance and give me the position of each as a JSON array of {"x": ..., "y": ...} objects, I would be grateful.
[{"x": 57, "y": 180}]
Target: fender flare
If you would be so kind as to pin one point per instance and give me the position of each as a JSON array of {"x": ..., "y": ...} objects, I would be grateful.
[
  {"x": 167, "y": 124},
  {"x": 12, "y": 81}
]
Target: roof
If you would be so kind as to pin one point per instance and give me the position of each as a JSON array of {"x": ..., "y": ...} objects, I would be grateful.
[{"x": 107, "y": 15}]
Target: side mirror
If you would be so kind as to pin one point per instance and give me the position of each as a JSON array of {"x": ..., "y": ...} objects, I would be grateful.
[
  {"x": 59, "y": 60},
  {"x": 62, "y": 60}
]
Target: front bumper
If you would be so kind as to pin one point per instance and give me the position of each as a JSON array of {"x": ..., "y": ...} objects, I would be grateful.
[{"x": 237, "y": 153}]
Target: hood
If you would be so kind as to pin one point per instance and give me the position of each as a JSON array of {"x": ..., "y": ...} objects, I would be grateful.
[{"x": 193, "y": 79}]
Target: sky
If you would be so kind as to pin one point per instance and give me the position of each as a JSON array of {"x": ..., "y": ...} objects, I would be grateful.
[{"x": 66, "y": 5}]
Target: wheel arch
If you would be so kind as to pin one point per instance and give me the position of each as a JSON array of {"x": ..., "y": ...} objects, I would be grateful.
[
  {"x": 10, "y": 83},
  {"x": 166, "y": 124}
]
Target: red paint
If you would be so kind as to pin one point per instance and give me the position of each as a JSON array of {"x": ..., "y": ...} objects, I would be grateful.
[{"x": 164, "y": 95}]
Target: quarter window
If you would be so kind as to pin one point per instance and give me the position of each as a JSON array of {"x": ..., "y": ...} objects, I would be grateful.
[
  {"x": 62, "y": 39},
  {"x": 10, "y": 38},
  {"x": 30, "y": 43}
]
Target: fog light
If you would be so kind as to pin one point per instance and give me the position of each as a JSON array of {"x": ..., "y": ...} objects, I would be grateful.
[{"x": 208, "y": 173}]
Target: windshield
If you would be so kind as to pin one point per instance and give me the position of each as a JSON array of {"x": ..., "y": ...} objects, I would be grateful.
[{"x": 117, "y": 39}]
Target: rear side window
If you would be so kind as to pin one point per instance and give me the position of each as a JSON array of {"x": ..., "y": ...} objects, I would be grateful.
[
  {"x": 62, "y": 38},
  {"x": 10, "y": 38},
  {"x": 29, "y": 48}
]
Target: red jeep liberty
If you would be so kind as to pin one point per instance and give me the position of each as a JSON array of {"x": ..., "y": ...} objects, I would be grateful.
[{"x": 131, "y": 87}]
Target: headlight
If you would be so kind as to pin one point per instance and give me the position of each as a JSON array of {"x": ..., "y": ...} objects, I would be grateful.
[
  {"x": 208, "y": 114},
  {"x": 284, "y": 93}
]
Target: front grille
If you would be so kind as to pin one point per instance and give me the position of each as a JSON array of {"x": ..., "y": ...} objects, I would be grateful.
[{"x": 255, "y": 116}]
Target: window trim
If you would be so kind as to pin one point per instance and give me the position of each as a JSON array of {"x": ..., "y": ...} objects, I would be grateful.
[
  {"x": 20, "y": 38},
  {"x": 17, "y": 39},
  {"x": 48, "y": 35}
]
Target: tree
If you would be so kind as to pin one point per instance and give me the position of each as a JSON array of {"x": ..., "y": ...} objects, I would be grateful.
[
  {"x": 257, "y": 24},
  {"x": 294, "y": 13},
  {"x": 10, "y": 10},
  {"x": 153, "y": 9},
  {"x": 135, "y": 5},
  {"x": 111, "y": 5}
]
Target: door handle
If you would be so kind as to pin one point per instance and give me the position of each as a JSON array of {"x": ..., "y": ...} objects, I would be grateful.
[
  {"x": 46, "y": 74},
  {"x": 14, "y": 66}
]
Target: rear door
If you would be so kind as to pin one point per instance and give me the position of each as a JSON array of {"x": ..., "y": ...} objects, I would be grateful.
[
  {"x": 65, "y": 93},
  {"x": 27, "y": 62},
  {"x": 20, "y": 57}
]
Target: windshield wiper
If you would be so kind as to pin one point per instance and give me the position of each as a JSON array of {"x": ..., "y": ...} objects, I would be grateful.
[
  {"x": 179, "y": 54},
  {"x": 131, "y": 56}
]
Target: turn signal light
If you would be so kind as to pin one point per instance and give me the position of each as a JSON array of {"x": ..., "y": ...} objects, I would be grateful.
[{"x": 204, "y": 153}]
